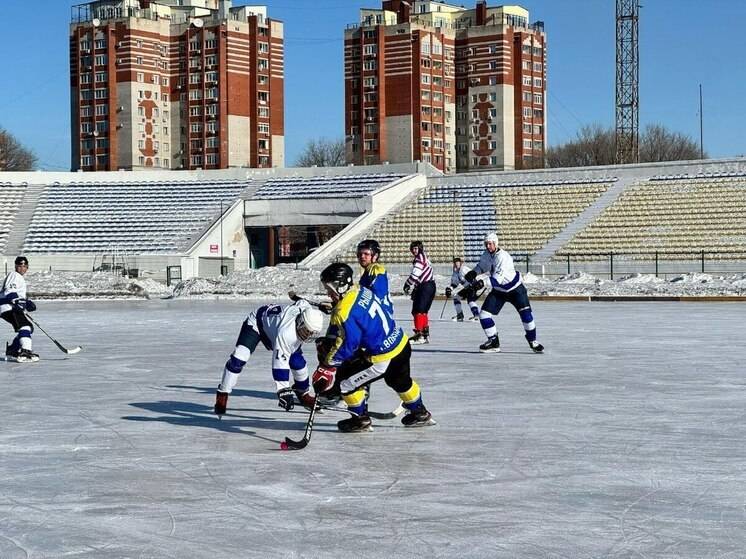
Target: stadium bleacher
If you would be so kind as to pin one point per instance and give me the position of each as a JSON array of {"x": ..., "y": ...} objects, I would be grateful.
[
  {"x": 11, "y": 196},
  {"x": 323, "y": 186}
]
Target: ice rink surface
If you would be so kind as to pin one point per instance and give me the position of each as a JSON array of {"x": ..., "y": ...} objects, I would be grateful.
[{"x": 625, "y": 439}]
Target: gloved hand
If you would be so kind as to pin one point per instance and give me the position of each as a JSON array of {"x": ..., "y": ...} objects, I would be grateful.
[
  {"x": 477, "y": 285},
  {"x": 323, "y": 347},
  {"x": 449, "y": 292},
  {"x": 323, "y": 378},
  {"x": 285, "y": 399},
  {"x": 325, "y": 307},
  {"x": 30, "y": 305},
  {"x": 407, "y": 288},
  {"x": 19, "y": 303},
  {"x": 470, "y": 276}
]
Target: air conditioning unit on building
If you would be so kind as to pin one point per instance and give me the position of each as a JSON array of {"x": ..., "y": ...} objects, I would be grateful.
[{"x": 120, "y": 108}]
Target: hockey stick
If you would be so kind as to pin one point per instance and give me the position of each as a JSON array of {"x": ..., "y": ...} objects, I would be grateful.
[
  {"x": 323, "y": 306},
  {"x": 444, "y": 307},
  {"x": 290, "y": 444},
  {"x": 62, "y": 348},
  {"x": 374, "y": 414}
]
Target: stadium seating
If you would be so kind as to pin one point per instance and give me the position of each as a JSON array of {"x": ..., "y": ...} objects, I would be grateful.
[
  {"x": 323, "y": 186},
  {"x": 452, "y": 219},
  {"x": 672, "y": 215},
  {"x": 11, "y": 196},
  {"x": 137, "y": 217}
]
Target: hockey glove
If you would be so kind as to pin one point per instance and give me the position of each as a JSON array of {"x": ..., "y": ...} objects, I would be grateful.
[
  {"x": 449, "y": 292},
  {"x": 325, "y": 307},
  {"x": 323, "y": 378},
  {"x": 477, "y": 285},
  {"x": 323, "y": 347},
  {"x": 30, "y": 305},
  {"x": 407, "y": 288},
  {"x": 470, "y": 276},
  {"x": 19, "y": 303},
  {"x": 285, "y": 399}
]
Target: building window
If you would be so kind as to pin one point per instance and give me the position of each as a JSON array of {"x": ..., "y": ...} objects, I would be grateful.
[
  {"x": 527, "y": 112},
  {"x": 141, "y": 160},
  {"x": 263, "y": 112},
  {"x": 212, "y": 159},
  {"x": 537, "y": 82},
  {"x": 101, "y": 94},
  {"x": 196, "y": 160},
  {"x": 537, "y": 98},
  {"x": 369, "y": 65},
  {"x": 212, "y": 142},
  {"x": 263, "y": 128},
  {"x": 211, "y": 60},
  {"x": 85, "y": 78},
  {"x": 526, "y": 143},
  {"x": 102, "y": 110},
  {"x": 85, "y": 110},
  {"x": 100, "y": 77},
  {"x": 263, "y": 47},
  {"x": 195, "y": 111},
  {"x": 101, "y": 60},
  {"x": 263, "y": 64},
  {"x": 369, "y": 82},
  {"x": 212, "y": 127},
  {"x": 527, "y": 81},
  {"x": 86, "y": 161},
  {"x": 370, "y": 50},
  {"x": 537, "y": 66},
  {"x": 425, "y": 79},
  {"x": 195, "y": 127},
  {"x": 211, "y": 43},
  {"x": 195, "y": 94},
  {"x": 85, "y": 45},
  {"x": 263, "y": 96}
]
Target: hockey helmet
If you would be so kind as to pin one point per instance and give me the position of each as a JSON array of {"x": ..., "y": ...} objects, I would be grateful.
[
  {"x": 337, "y": 278},
  {"x": 21, "y": 261},
  {"x": 491, "y": 238},
  {"x": 416, "y": 244},
  {"x": 309, "y": 323},
  {"x": 371, "y": 245}
]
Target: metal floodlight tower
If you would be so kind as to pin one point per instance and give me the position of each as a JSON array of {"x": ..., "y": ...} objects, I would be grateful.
[{"x": 627, "y": 83}]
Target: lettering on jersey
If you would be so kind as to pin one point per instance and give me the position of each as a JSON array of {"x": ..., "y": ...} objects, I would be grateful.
[
  {"x": 392, "y": 339},
  {"x": 365, "y": 297}
]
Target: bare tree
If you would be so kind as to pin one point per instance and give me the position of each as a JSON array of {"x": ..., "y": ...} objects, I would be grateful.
[
  {"x": 595, "y": 145},
  {"x": 13, "y": 156},
  {"x": 322, "y": 153}
]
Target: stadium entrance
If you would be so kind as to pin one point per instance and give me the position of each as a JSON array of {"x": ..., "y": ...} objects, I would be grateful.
[{"x": 286, "y": 243}]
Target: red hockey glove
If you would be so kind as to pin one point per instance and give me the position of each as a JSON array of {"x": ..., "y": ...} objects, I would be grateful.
[{"x": 323, "y": 378}]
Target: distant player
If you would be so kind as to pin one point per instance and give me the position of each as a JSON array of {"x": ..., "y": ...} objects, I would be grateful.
[
  {"x": 421, "y": 279},
  {"x": 360, "y": 322},
  {"x": 282, "y": 329},
  {"x": 507, "y": 286},
  {"x": 13, "y": 303},
  {"x": 458, "y": 279}
]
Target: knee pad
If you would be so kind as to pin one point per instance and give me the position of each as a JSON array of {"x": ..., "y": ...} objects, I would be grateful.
[
  {"x": 25, "y": 331},
  {"x": 486, "y": 320},
  {"x": 296, "y": 361},
  {"x": 527, "y": 318},
  {"x": 234, "y": 364}
]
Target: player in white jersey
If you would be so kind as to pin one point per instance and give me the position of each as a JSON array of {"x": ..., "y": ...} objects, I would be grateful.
[
  {"x": 13, "y": 303},
  {"x": 458, "y": 278},
  {"x": 282, "y": 329},
  {"x": 507, "y": 286}
]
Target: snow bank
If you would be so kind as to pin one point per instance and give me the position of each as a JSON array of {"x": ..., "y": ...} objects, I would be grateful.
[{"x": 274, "y": 283}]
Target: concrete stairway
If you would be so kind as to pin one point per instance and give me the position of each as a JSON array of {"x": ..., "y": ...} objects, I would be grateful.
[{"x": 23, "y": 217}]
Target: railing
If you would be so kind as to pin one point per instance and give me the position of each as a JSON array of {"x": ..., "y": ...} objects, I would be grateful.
[{"x": 659, "y": 263}]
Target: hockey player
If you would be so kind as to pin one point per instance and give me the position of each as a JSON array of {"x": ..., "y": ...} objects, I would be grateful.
[
  {"x": 13, "y": 303},
  {"x": 359, "y": 321},
  {"x": 421, "y": 279},
  {"x": 282, "y": 330},
  {"x": 457, "y": 279},
  {"x": 507, "y": 286},
  {"x": 374, "y": 274}
]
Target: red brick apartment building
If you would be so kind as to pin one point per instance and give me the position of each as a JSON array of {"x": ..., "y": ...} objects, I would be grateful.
[
  {"x": 462, "y": 89},
  {"x": 175, "y": 84}
]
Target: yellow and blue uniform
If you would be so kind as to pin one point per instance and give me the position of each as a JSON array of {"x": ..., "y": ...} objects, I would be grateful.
[
  {"x": 375, "y": 278},
  {"x": 360, "y": 321}
]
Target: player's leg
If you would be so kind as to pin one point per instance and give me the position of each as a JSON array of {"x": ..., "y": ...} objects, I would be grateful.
[
  {"x": 247, "y": 341},
  {"x": 491, "y": 308},
  {"x": 398, "y": 376},
  {"x": 352, "y": 385},
  {"x": 459, "y": 309},
  {"x": 519, "y": 299}
]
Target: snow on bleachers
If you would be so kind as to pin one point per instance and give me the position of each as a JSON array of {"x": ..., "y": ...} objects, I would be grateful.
[
  {"x": 323, "y": 186},
  {"x": 11, "y": 196},
  {"x": 136, "y": 217}
]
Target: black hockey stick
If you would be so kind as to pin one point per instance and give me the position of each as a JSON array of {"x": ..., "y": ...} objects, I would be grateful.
[
  {"x": 290, "y": 444},
  {"x": 323, "y": 306},
  {"x": 444, "y": 307},
  {"x": 76, "y": 349},
  {"x": 400, "y": 409}
]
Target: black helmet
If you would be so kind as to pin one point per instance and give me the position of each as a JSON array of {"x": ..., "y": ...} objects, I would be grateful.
[
  {"x": 21, "y": 261},
  {"x": 371, "y": 245},
  {"x": 338, "y": 277},
  {"x": 417, "y": 244}
]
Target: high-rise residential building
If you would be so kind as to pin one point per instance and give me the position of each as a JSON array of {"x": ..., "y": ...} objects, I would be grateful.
[
  {"x": 462, "y": 89},
  {"x": 175, "y": 84}
]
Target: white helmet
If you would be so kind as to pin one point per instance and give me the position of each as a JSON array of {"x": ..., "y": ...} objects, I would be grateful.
[
  {"x": 309, "y": 323},
  {"x": 491, "y": 238}
]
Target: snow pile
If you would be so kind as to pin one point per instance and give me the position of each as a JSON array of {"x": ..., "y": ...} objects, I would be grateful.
[{"x": 275, "y": 282}]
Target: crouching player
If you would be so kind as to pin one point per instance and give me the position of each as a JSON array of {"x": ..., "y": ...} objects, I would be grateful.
[
  {"x": 359, "y": 321},
  {"x": 282, "y": 329}
]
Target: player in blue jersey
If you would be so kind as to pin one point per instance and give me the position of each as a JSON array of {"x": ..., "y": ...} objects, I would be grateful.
[
  {"x": 507, "y": 287},
  {"x": 360, "y": 322}
]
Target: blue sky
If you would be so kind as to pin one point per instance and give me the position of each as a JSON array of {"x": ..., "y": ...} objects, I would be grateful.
[{"x": 683, "y": 43}]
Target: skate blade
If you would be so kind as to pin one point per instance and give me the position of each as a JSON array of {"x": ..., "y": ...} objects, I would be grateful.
[
  {"x": 491, "y": 350},
  {"x": 427, "y": 423}
]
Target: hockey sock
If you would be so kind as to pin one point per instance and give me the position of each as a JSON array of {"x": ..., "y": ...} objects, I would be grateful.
[
  {"x": 282, "y": 378},
  {"x": 457, "y": 305},
  {"x": 420, "y": 321},
  {"x": 474, "y": 309},
  {"x": 24, "y": 337},
  {"x": 487, "y": 323},
  {"x": 233, "y": 368},
  {"x": 228, "y": 381},
  {"x": 528, "y": 323},
  {"x": 301, "y": 385},
  {"x": 412, "y": 398},
  {"x": 356, "y": 401}
]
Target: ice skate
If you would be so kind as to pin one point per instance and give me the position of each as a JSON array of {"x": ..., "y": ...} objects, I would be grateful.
[
  {"x": 419, "y": 417},
  {"x": 492, "y": 345},
  {"x": 536, "y": 347},
  {"x": 458, "y": 318},
  {"x": 355, "y": 424},
  {"x": 419, "y": 338},
  {"x": 474, "y": 318},
  {"x": 221, "y": 403}
]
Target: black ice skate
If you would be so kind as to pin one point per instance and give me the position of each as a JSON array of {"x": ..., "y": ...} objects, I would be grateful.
[
  {"x": 474, "y": 318},
  {"x": 419, "y": 338},
  {"x": 24, "y": 356},
  {"x": 491, "y": 346},
  {"x": 420, "y": 417},
  {"x": 459, "y": 317},
  {"x": 536, "y": 347},
  {"x": 355, "y": 424},
  {"x": 221, "y": 402}
]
